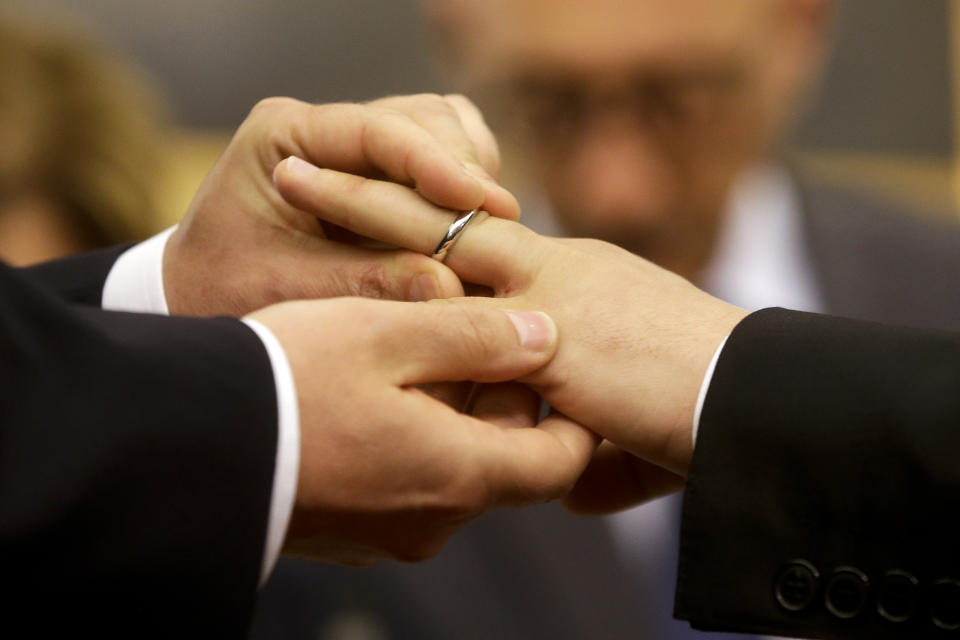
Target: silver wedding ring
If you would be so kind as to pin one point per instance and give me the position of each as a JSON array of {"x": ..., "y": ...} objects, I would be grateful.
[{"x": 453, "y": 233}]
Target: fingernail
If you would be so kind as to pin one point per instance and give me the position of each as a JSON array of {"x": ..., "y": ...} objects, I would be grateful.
[
  {"x": 424, "y": 287},
  {"x": 535, "y": 329},
  {"x": 298, "y": 165}
]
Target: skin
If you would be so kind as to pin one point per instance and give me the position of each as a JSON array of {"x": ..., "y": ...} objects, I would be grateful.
[
  {"x": 635, "y": 339},
  {"x": 240, "y": 247},
  {"x": 632, "y": 129},
  {"x": 386, "y": 470}
]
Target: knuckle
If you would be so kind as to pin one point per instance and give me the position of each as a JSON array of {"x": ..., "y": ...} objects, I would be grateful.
[
  {"x": 375, "y": 125},
  {"x": 383, "y": 125},
  {"x": 382, "y": 120},
  {"x": 261, "y": 129},
  {"x": 459, "y": 98},
  {"x": 424, "y": 107},
  {"x": 272, "y": 105},
  {"x": 372, "y": 280},
  {"x": 436, "y": 103},
  {"x": 480, "y": 339}
]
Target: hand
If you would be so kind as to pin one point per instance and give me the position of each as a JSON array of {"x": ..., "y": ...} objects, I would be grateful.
[
  {"x": 635, "y": 342},
  {"x": 385, "y": 469},
  {"x": 616, "y": 480},
  {"x": 241, "y": 247}
]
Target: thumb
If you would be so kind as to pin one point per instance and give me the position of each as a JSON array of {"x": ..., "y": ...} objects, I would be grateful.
[
  {"x": 446, "y": 342},
  {"x": 616, "y": 479}
]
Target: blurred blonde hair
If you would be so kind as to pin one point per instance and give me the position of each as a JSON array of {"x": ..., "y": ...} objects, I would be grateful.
[{"x": 80, "y": 128}]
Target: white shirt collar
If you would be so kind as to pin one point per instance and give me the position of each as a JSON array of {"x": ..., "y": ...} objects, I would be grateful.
[{"x": 761, "y": 258}]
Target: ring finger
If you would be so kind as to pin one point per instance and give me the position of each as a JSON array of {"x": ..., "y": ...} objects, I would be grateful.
[{"x": 491, "y": 252}]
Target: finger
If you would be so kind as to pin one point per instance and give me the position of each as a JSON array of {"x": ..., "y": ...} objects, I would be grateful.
[
  {"x": 436, "y": 115},
  {"x": 508, "y": 466},
  {"x": 410, "y": 155},
  {"x": 485, "y": 144},
  {"x": 616, "y": 480},
  {"x": 367, "y": 140},
  {"x": 322, "y": 268},
  {"x": 417, "y": 344},
  {"x": 499, "y": 201},
  {"x": 536, "y": 465},
  {"x": 469, "y": 140},
  {"x": 490, "y": 252},
  {"x": 456, "y": 395},
  {"x": 509, "y": 405}
]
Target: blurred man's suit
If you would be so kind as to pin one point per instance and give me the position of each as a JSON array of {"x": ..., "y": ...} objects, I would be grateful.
[{"x": 542, "y": 573}]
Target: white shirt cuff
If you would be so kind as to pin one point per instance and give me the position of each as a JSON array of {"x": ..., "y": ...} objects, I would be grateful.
[
  {"x": 288, "y": 449},
  {"x": 135, "y": 283},
  {"x": 704, "y": 386}
]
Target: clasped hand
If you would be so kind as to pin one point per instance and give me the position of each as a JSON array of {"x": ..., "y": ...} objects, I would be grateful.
[
  {"x": 635, "y": 340},
  {"x": 386, "y": 469}
]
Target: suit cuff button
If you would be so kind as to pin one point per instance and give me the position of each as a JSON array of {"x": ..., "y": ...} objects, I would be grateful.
[
  {"x": 846, "y": 593},
  {"x": 796, "y": 585},
  {"x": 945, "y": 604},
  {"x": 898, "y": 596}
]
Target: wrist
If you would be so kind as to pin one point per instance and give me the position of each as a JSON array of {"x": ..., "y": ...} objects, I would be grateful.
[
  {"x": 726, "y": 317},
  {"x": 172, "y": 284},
  {"x": 191, "y": 280}
]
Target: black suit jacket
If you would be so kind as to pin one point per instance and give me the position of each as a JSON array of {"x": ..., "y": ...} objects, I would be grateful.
[
  {"x": 824, "y": 492},
  {"x": 136, "y": 461},
  {"x": 541, "y": 573}
]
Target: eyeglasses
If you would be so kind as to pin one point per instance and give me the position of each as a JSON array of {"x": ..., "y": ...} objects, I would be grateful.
[{"x": 669, "y": 106}]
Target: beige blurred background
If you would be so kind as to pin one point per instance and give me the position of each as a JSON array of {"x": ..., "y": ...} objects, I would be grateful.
[{"x": 885, "y": 120}]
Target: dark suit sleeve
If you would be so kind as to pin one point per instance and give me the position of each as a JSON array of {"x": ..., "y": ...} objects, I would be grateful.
[
  {"x": 78, "y": 278},
  {"x": 136, "y": 465},
  {"x": 824, "y": 493}
]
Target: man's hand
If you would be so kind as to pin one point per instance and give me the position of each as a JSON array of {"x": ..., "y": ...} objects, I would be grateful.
[
  {"x": 241, "y": 247},
  {"x": 385, "y": 469},
  {"x": 636, "y": 340}
]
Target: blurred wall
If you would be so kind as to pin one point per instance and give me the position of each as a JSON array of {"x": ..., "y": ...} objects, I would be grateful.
[
  {"x": 216, "y": 58},
  {"x": 885, "y": 115},
  {"x": 887, "y": 89}
]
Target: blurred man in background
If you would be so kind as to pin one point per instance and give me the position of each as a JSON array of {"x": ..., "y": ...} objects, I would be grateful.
[
  {"x": 659, "y": 126},
  {"x": 662, "y": 127}
]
